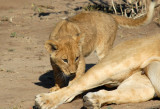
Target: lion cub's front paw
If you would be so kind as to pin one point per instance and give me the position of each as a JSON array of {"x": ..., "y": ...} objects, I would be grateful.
[{"x": 90, "y": 101}]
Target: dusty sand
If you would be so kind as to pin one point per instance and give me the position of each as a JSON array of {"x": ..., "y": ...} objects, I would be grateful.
[{"x": 24, "y": 62}]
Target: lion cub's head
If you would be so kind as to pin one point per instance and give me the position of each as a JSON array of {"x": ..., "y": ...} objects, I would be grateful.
[{"x": 66, "y": 53}]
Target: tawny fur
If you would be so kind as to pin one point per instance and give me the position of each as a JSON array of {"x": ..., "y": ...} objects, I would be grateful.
[
  {"x": 76, "y": 37},
  {"x": 120, "y": 67},
  {"x": 153, "y": 73}
]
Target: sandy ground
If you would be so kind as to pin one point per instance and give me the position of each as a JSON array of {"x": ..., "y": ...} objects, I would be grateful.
[{"x": 24, "y": 62}]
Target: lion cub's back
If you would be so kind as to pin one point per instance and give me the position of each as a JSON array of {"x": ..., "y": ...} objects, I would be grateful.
[
  {"x": 97, "y": 26},
  {"x": 92, "y": 17}
]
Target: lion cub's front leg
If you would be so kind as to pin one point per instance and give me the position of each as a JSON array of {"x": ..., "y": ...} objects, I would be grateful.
[
  {"x": 58, "y": 78},
  {"x": 61, "y": 81}
]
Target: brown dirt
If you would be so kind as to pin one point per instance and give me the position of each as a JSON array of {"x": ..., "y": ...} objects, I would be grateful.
[{"x": 24, "y": 62}]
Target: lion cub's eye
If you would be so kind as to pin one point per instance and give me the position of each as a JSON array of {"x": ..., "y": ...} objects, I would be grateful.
[
  {"x": 65, "y": 60},
  {"x": 77, "y": 58}
]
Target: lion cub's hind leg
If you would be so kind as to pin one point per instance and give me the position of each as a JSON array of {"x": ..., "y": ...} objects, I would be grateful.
[
  {"x": 104, "y": 46},
  {"x": 136, "y": 88},
  {"x": 153, "y": 73}
]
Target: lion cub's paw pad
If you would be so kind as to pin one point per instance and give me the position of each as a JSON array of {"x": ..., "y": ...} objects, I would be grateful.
[
  {"x": 42, "y": 101},
  {"x": 91, "y": 102}
]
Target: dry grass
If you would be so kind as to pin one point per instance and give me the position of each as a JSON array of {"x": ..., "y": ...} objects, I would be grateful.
[{"x": 128, "y": 8}]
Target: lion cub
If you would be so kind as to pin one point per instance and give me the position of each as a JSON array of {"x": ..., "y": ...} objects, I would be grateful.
[{"x": 78, "y": 36}]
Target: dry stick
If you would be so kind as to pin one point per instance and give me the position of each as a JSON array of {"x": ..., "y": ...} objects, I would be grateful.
[
  {"x": 114, "y": 7},
  {"x": 143, "y": 11},
  {"x": 132, "y": 13},
  {"x": 137, "y": 6},
  {"x": 125, "y": 12},
  {"x": 121, "y": 9},
  {"x": 141, "y": 4}
]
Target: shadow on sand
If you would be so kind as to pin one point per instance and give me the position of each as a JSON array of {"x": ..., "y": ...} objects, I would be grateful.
[{"x": 47, "y": 79}]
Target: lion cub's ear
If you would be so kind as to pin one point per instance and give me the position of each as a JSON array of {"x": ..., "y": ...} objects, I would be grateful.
[{"x": 51, "y": 46}]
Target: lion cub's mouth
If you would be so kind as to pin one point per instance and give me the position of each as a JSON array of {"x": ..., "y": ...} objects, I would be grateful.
[
  {"x": 69, "y": 77},
  {"x": 72, "y": 76}
]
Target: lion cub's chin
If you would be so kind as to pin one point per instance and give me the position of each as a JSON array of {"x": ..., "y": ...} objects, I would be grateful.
[{"x": 70, "y": 76}]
